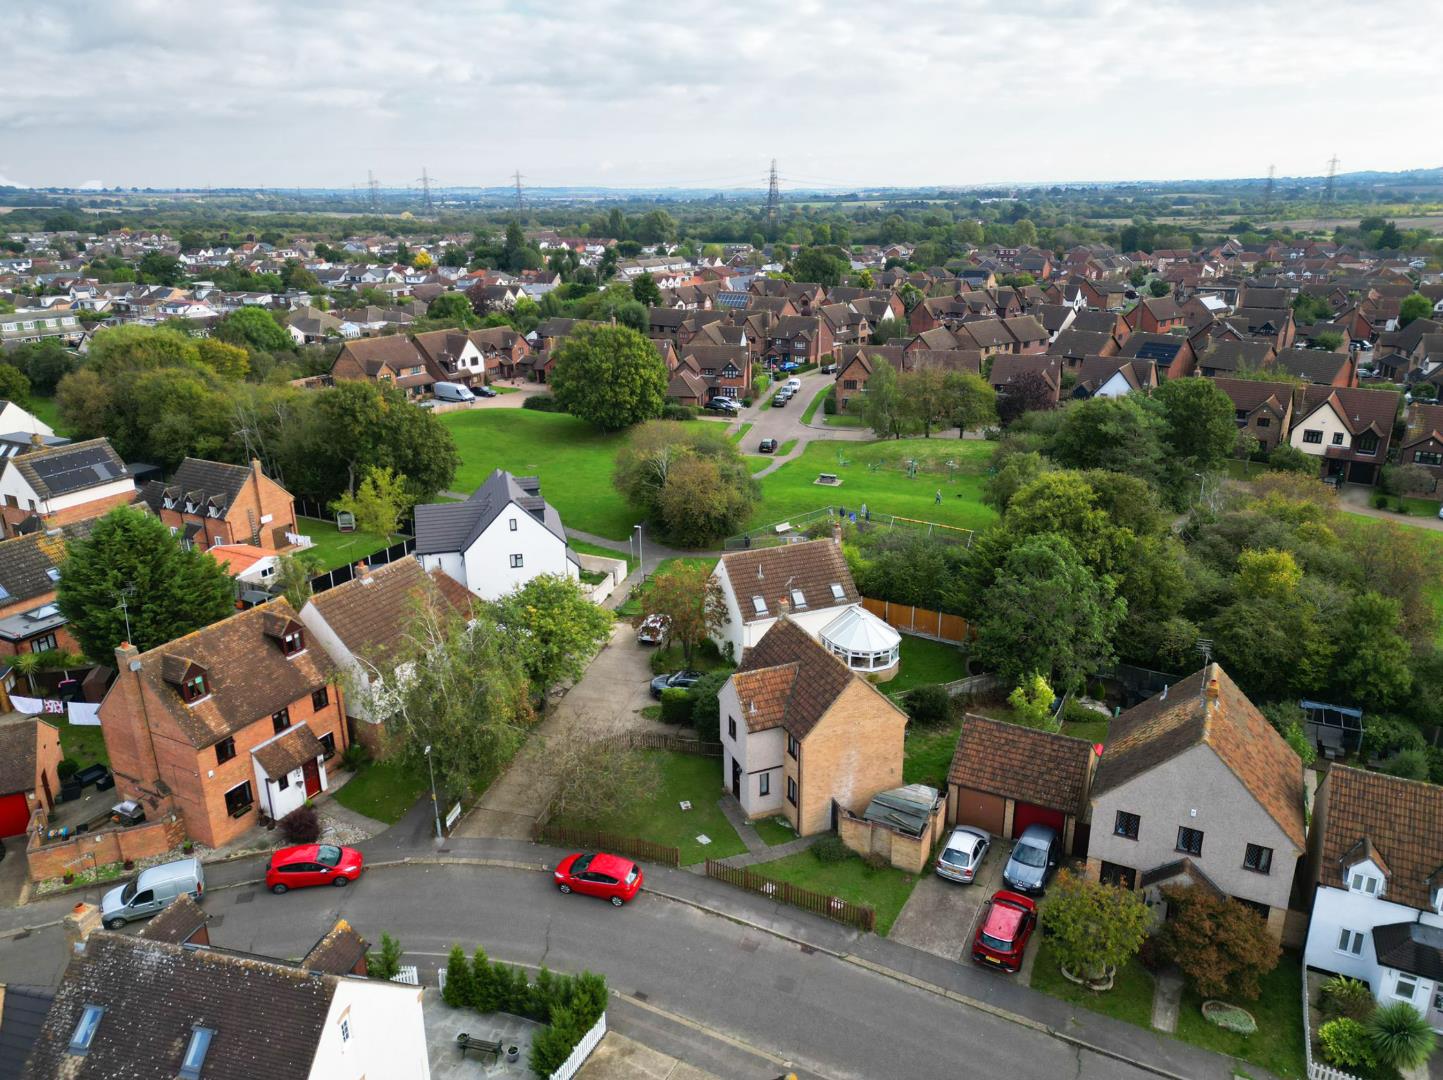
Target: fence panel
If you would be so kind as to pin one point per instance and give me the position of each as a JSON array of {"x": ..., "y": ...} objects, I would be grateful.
[
  {"x": 920, "y": 622},
  {"x": 830, "y": 907},
  {"x": 631, "y": 846},
  {"x": 662, "y": 740},
  {"x": 572, "y": 1065}
]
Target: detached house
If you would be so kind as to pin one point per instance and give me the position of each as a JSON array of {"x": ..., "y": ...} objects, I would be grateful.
[
  {"x": 1156, "y": 315},
  {"x": 1423, "y": 438},
  {"x": 48, "y": 488},
  {"x": 1262, "y": 409},
  {"x": 232, "y": 721},
  {"x": 803, "y": 736},
  {"x": 1348, "y": 428},
  {"x": 1375, "y": 867},
  {"x": 389, "y": 361},
  {"x": 210, "y": 502},
  {"x": 1196, "y": 787}
]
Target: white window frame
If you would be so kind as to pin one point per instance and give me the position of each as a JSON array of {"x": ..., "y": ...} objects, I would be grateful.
[
  {"x": 1350, "y": 942},
  {"x": 518, "y": 562},
  {"x": 1412, "y": 984}
]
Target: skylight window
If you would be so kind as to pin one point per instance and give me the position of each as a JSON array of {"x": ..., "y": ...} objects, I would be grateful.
[
  {"x": 798, "y": 600},
  {"x": 195, "y": 1053},
  {"x": 759, "y": 605},
  {"x": 53, "y": 573},
  {"x": 85, "y": 1030},
  {"x": 837, "y": 592}
]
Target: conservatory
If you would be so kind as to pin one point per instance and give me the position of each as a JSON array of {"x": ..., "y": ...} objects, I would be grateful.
[{"x": 863, "y": 642}]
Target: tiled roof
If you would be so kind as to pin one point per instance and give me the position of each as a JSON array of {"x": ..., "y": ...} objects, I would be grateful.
[
  {"x": 1022, "y": 763},
  {"x": 1410, "y": 946},
  {"x": 1314, "y": 365},
  {"x": 1424, "y": 422},
  {"x": 1359, "y": 409},
  {"x": 26, "y": 561},
  {"x": 176, "y": 922},
  {"x": 17, "y": 756},
  {"x": 338, "y": 952},
  {"x": 794, "y": 678},
  {"x": 74, "y": 467},
  {"x": 774, "y": 573},
  {"x": 1401, "y": 819},
  {"x": 1248, "y": 394},
  {"x": 370, "y": 613},
  {"x": 1181, "y": 717},
  {"x": 394, "y": 351},
  {"x": 212, "y": 482},
  {"x": 288, "y": 751},
  {"x": 22, "y": 1016},
  {"x": 448, "y": 527}
]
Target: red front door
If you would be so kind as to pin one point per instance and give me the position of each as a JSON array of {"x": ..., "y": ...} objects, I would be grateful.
[{"x": 313, "y": 777}]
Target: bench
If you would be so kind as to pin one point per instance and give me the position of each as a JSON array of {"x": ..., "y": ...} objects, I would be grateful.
[
  {"x": 826, "y": 478},
  {"x": 485, "y": 1046}
]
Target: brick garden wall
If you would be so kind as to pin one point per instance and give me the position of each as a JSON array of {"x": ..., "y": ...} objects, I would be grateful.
[{"x": 112, "y": 845}]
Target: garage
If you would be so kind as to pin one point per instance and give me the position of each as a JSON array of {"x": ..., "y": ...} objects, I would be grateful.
[
  {"x": 14, "y": 814},
  {"x": 981, "y": 809},
  {"x": 1031, "y": 814}
]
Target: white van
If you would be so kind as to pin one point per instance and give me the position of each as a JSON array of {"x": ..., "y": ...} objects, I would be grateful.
[
  {"x": 152, "y": 891},
  {"x": 452, "y": 391},
  {"x": 794, "y": 385}
]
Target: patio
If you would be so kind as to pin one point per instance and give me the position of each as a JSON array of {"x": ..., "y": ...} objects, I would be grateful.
[{"x": 443, "y": 1024}]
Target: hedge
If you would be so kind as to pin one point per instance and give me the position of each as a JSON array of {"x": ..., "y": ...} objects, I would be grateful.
[
  {"x": 542, "y": 403},
  {"x": 676, "y": 705}
]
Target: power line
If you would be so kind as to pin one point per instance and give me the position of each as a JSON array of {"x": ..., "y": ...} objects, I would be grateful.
[
  {"x": 520, "y": 201},
  {"x": 774, "y": 197},
  {"x": 425, "y": 182},
  {"x": 375, "y": 189},
  {"x": 1332, "y": 177}
]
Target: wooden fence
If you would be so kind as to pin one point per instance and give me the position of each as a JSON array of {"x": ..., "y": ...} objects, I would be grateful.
[
  {"x": 663, "y": 740},
  {"x": 921, "y": 622},
  {"x": 831, "y": 907},
  {"x": 594, "y": 839}
]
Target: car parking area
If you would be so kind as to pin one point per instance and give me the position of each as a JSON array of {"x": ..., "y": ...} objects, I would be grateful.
[{"x": 940, "y": 916}]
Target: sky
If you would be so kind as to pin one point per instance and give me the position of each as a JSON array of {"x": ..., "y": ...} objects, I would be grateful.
[{"x": 298, "y": 93}]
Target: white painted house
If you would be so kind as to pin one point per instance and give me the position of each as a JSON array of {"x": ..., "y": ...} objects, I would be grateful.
[
  {"x": 812, "y": 584},
  {"x": 496, "y": 541},
  {"x": 63, "y": 483},
  {"x": 1375, "y": 860},
  {"x": 14, "y": 419}
]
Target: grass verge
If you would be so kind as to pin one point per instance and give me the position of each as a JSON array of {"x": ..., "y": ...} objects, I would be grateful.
[
  {"x": 786, "y": 447},
  {"x": 741, "y": 433},
  {"x": 1130, "y": 998},
  {"x": 774, "y": 831},
  {"x": 384, "y": 790},
  {"x": 816, "y": 403},
  {"x": 884, "y": 889}
]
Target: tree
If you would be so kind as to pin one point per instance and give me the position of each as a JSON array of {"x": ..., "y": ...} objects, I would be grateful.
[
  {"x": 723, "y": 498},
  {"x": 1200, "y": 430},
  {"x": 976, "y": 401},
  {"x": 610, "y": 376},
  {"x": 1285, "y": 458},
  {"x": 253, "y": 327},
  {"x": 1016, "y": 471},
  {"x": 706, "y": 707},
  {"x": 1373, "y": 659},
  {"x": 882, "y": 405},
  {"x": 131, "y": 569},
  {"x": 555, "y": 629},
  {"x": 1029, "y": 392},
  {"x": 460, "y": 988},
  {"x": 1158, "y": 287},
  {"x": 1093, "y": 928},
  {"x": 1327, "y": 340},
  {"x": 700, "y": 504},
  {"x": 160, "y": 268},
  {"x": 230, "y": 362},
  {"x": 927, "y": 397},
  {"x": 890, "y": 329},
  {"x": 1309, "y": 308},
  {"x": 691, "y": 599},
  {"x": 594, "y": 780},
  {"x": 1119, "y": 434},
  {"x": 1402, "y": 1038},
  {"x": 1414, "y": 306},
  {"x": 1223, "y": 948},
  {"x": 132, "y": 347},
  {"x": 378, "y": 504},
  {"x": 387, "y": 963},
  {"x": 44, "y": 362},
  {"x": 293, "y": 576},
  {"x": 818, "y": 265},
  {"x": 1136, "y": 276},
  {"x": 14, "y": 386},
  {"x": 453, "y": 308},
  {"x": 644, "y": 290},
  {"x": 1032, "y": 700}
]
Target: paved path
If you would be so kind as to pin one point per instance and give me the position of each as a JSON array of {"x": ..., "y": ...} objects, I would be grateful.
[
  {"x": 1355, "y": 499},
  {"x": 785, "y": 424},
  {"x": 1166, "y": 999}
]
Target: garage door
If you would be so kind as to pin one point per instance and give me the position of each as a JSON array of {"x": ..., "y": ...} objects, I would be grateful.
[
  {"x": 14, "y": 814},
  {"x": 980, "y": 808},
  {"x": 1031, "y": 814}
]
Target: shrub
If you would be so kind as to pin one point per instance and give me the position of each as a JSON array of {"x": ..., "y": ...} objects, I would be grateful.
[
  {"x": 706, "y": 706},
  {"x": 301, "y": 826},
  {"x": 678, "y": 412},
  {"x": 1074, "y": 712},
  {"x": 1345, "y": 1042},
  {"x": 1342, "y": 996},
  {"x": 1092, "y": 926},
  {"x": 1223, "y": 948},
  {"x": 542, "y": 403},
  {"x": 1410, "y": 764},
  {"x": 1401, "y": 1038},
  {"x": 1230, "y": 1017},
  {"x": 829, "y": 403},
  {"x": 676, "y": 705},
  {"x": 1385, "y": 733},
  {"x": 876, "y": 860},
  {"x": 67, "y": 768},
  {"x": 1032, "y": 700},
  {"x": 385, "y": 964},
  {"x": 460, "y": 990},
  {"x": 354, "y": 756},
  {"x": 1380, "y": 501},
  {"x": 830, "y": 849},
  {"x": 929, "y": 705}
]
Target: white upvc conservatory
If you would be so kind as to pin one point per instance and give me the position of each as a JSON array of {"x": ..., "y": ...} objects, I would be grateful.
[{"x": 863, "y": 642}]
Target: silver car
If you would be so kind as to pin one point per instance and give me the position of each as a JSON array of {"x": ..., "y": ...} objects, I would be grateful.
[
  {"x": 1034, "y": 858},
  {"x": 962, "y": 854}
]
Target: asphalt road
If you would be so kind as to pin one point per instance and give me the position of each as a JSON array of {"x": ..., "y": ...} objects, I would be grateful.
[{"x": 688, "y": 976}]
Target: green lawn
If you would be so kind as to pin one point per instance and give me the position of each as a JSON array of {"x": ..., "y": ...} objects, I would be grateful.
[
  {"x": 384, "y": 790},
  {"x": 46, "y": 411},
  {"x": 83, "y": 743},
  {"x": 1421, "y": 507},
  {"x": 335, "y": 548},
  {"x": 1094, "y": 731},
  {"x": 884, "y": 890},
  {"x": 925, "y": 661},
  {"x": 843, "y": 420},
  {"x": 1278, "y": 1044},
  {"x": 815, "y": 404},
  {"x": 774, "y": 831},
  {"x": 581, "y": 547},
  {"x": 927, "y": 753},
  {"x": 786, "y": 447},
  {"x": 792, "y": 489},
  {"x": 1130, "y": 998},
  {"x": 658, "y": 816},
  {"x": 741, "y": 433}
]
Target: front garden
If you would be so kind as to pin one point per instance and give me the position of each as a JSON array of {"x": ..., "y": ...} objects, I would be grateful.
[{"x": 829, "y": 868}]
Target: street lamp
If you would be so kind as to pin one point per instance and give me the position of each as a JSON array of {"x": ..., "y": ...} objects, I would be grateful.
[
  {"x": 435, "y": 807},
  {"x": 640, "y": 553}
]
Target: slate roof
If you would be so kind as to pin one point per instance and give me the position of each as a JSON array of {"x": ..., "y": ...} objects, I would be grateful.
[
  {"x": 370, "y": 613},
  {"x": 1410, "y": 946},
  {"x": 17, "y": 756},
  {"x": 1022, "y": 763},
  {"x": 447, "y": 527},
  {"x": 1161, "y": 348},
  {"x": 1401, "y": 819},
  {"x": 64, "y": 470},
  {"x": 1072, "y": 342},
  {"x": 288, "y": 751},
  {"x": 209, "y": 483},
  {"x": 267, "y": 1016},
  {"x": 788, "y": 680},
  {"x": 1181, "y": 717},
  {"x": 1235, "y": 355},
  {"x": 20, "y": 1023},
  {"x": 773, "y": 573},
  {"x": 338, "y": 952}
]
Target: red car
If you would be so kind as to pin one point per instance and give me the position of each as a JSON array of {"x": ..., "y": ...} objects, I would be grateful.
[
  {"x": 607, "y": 876},
  {"x": 1007, "y": 921},
  {"x": 312, "y": 864}
]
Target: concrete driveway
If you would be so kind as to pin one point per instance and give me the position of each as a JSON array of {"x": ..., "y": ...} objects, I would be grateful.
[{"x": 940, "y": 916}]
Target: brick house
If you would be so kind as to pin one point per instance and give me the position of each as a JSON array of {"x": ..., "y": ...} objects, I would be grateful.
[
  {"x": 801, "y": 339},
  {"x": 233, "y": 720},
  {"x": 451, "y": 356},
  {"x": 29, "y": 771},
  {"x": 1197, "y": 787},
  {"x": 210, "y": 502},
  {"x": 1349, "y": 428},
  {"x": 30, "y": 565},
  {"x": 49, "y": 488},
  {"x": 1029, "y": 336},
  {"x": 1156, "y": 315},
  {"x": 389, "y": 361},
  {"x": 855, "y": 364},
  {"x": 502, "y": 349},
  {"x": 1172, "y": 353},
  {"x": 1263, "y": 409},
  {"x": 1318, "y": 367},
  {"x": 722, "y": 371},
  {"x": 1422, "y": 440},
  {"x": 1005, "y": 777},
  {"x": 1006, "y": 370},
  {"x": 801, "y": 733}
]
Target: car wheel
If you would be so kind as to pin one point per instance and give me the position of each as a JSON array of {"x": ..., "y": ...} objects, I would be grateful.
[
  {"x": 278, "y": 889},
  {"x": 564, "y": 888},
  {"x": 114, "y": 924},
  {"x": 616, "y": 901},
  {"x": 341, "y": 882}
]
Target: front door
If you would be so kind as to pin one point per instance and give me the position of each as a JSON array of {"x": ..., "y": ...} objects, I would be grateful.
[
  {"x": 736, "y": 779},
  {"x": 313, "y": 777},
  {"x": 1435, "y": 1013}
]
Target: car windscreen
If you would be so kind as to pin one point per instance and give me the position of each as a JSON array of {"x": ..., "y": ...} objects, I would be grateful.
[
  {"x": 957, "y": 857},
  {"x": 996, "y": 943},
  {"x": 580, "y": 865},
  {"x": 328, "y": 855},
  {"x": 127, "y": 894},
  {"x": 1028, "y": 855}
]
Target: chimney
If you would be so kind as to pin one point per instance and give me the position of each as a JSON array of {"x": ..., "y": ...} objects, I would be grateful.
[
  {"x": 37, "y": 439},
  {"x": 125, "y": 652},
  {"x": 83, "y": 918},
  {"x": 784, "y": 608},
  {"x": 1211, "y": 691}
]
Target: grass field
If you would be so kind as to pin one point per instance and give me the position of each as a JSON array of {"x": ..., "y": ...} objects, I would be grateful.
[
  {"x": 45, "y": 410},
  {"x": 83, "y": 742},
  {"x": 925, "y": 661},
  {"x": 335, "y": 548},
  {"x": 581, "y": 547},
  {"x": 740, "y": 433},
  {"x": 885, "y": 889},
  {"x": 843, "y": 420},
  {"x": 774, "y": 831}
]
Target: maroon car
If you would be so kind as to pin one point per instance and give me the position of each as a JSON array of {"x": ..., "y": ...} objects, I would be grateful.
[{"x": 1007, "y": 921}]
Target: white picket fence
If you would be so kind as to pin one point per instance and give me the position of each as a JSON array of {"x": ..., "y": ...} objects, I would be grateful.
[
  {"x": 582, "y": 1051},
  {"x": 1317, "y": 1070}
]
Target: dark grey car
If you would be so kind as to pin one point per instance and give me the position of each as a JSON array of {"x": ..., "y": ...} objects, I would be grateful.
[{"x": 1033, "y": 860}]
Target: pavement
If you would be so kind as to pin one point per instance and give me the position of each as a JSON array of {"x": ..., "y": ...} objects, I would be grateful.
[{"x": 1167, "y": 999}]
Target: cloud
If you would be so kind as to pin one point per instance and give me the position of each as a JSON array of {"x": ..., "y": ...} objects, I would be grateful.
[{"x": 269, "y": 92}]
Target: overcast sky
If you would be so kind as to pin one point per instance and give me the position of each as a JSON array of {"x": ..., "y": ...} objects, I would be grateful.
[{"x": 287, "y": 93}]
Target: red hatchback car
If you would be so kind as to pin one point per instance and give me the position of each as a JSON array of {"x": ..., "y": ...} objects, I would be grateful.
[
  {"x": 1007, "y": 921},
  {"x": 607, "y": 876},
  {"x": 312, "y": 864}
]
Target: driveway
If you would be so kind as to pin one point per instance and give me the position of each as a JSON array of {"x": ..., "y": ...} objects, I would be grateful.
[
  {"x": 607, "y": 700},
  {"x": 940, "y": 916},
  {"x": 1357, "y": 499}
]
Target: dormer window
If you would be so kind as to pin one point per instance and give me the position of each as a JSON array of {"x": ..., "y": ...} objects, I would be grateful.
[
  {"x": 1363, "y": 882},
  {"x": 194, "y": 688},
  {"x": 759, "y": 605},
  {"x": 293, "y": 643},
  {"x": 85, "y": 1029}
]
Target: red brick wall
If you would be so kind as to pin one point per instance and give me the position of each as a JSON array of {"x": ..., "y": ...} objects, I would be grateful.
[
  {"x": 100, "y": 848},
  {"x": 14, "y": 516}
]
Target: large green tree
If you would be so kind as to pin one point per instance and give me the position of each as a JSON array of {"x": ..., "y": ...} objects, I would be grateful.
[
  {"x": 1200, "y": 431},
  {"x": 254, "y": 327},
  {"x": 1120, "y": 434},
  {"x": 609, "y": 376},
  {"x": 882, "y": 405},
  {"x": 1093, "y": 928},
  {"x": 644, "y": 290},
  {"x": 1414, "y": 306},
  {"x": 452, "y": 308},
  {"x": 131, "y": 568},
  {"x": 691, "y": 600},
  {"x": 556, "y": 629}
]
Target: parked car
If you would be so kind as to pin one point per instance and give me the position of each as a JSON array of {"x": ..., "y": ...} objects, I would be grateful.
[
  {"x": 483, "y": 391},
  {"x": 677, "y": 680},
  {"x": 607, "y": 876},
  {"x": 780, "y": 400},
  {"x": 962, "y": 854},
  {"x": 829, "y": 369},
  {"x": 151, "y": 891},
  {"x": 767, "y": 446},
  {"x": 722, "y": 405},
  {"x": 1034, "y": 859},
  {"x": 653, "y": 630},
  {"x": 1003, "y": 930},
  {"x": 313, "y": 864},
  {"x": 789, "y": 366},
  {"x": 793, "y": 385}
]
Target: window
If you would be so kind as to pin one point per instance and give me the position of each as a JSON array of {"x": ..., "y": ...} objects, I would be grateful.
[
  {"x": 513, "y": 525},
  {"x": 1126, "y": 825},
  {"x": 1258, "y": 858},
  {"x": 517, "y": 561},
  {"x": 792, "y": 746},
  {"x": 759, "y": 605},
  {"x": 281, "y": 720},
  {"x": 798, "y": 599},
  {"x": 764, "y": 784},
  {"x": 1350, "y": 942},
  {"x": 193, "y": 690},
  {"x": 792, "y": 790},
  {"x": 1124, "y": 877},
  {"x": 345, "y": 1030},
  {"x": 1337, "y": 438},
  {"x": 1427, "y": 457},
  {"x": 293, "y": 643},
  {"x": 1405, "y": 987},
  {"x": 1364, "y": 883},
  {"x": 1366, "y": 443},
  {"x": 239, "y": 799},
  {"x": 1189, "y": 840},
  {"x": 321, "y": 698},
  {"x": 1265, "y": 421},
  {"x": 195, "y": 1053},
  {"x": 283, "y": 781},
  {"x": 224, "y": 750},
  {"x": 43, "y": 643},
  {"x": 838, "y": 593},
  {"x": 1314, "y": 437},
  {"x": 85, "y": 1029},
  {"x": 328, "y": 744},
  {"x": 731, "y": 727}
]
